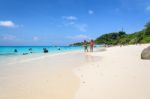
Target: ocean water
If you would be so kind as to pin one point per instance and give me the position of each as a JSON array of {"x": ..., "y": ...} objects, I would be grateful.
[{"x": 7, "y": 52}]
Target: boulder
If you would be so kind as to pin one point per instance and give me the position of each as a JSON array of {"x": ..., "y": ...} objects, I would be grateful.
[
  {"x": 146, "y": 53},
  {"x": 45, "y": 50}
]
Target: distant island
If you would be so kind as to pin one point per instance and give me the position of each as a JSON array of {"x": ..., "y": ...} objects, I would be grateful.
[{"x": 122, "y": 38}]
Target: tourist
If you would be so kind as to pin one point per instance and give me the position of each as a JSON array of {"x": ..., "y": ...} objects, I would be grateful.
[
  {"x": 15, "y": 50},
  {"x": 85, "y": 44},
  {"x": 91, "y": 45},
  {"x": 45, "y": 50},
  {"x": 30, "y": 50}
]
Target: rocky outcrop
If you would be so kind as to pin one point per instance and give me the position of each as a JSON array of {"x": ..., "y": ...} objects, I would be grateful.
[
  {"x": 45, "y": 50},
  {"x": 146, "y": 53}
]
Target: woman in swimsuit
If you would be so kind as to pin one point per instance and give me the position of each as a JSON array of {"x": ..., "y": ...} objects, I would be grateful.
[
  {"x": 85, "y": 44},
  {"x": 91, "y": 45}
]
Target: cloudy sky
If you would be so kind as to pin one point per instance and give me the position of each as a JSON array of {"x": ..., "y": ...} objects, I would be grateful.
[{"x": 61, "y": 22}]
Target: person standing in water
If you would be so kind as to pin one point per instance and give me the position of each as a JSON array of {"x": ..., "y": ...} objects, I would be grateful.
[
  {"x": 91, "y": 45},
  {"x": 15, "y": 50},
  {"x": 30, "y": 50},
  {"x": 85, "y": 45}
]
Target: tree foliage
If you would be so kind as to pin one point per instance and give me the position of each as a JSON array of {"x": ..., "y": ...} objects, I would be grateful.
[
  {"x": 147, "y": 29},
  {"x": 111, "y": 38},
  {"x": 142, "y": 36},
  {"x": 116, "y": 38}
]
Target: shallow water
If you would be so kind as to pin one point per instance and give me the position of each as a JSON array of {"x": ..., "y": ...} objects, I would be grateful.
[
  {"x": 42, "y": 76},
  {"x": 7, "y": 53},
  {"x": 9, "y": 50}
]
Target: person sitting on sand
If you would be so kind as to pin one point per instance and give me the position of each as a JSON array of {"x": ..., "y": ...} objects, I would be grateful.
[
  {"x": 85, "y": 44},
  {"x": 91, "y": 45}
]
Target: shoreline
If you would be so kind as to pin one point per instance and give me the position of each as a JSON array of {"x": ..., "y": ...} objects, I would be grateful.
[
  {"x": 38, "y": 56},
  {"x": 107, "y": 73},
  {"x": 46, "y": 76}
]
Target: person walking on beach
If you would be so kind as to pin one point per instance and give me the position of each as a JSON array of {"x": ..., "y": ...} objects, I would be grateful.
[
  {"x": 91, "y": 45},
  {"x": 85, "y": 44}
]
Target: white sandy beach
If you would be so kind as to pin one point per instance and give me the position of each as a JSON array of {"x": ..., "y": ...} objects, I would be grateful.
[
  {"x": 119, "y": 74},
  {"x": 116, "y": 73}
]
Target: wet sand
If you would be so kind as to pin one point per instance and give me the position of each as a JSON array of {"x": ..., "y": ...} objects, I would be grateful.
[{"x": 41, "y": 77}]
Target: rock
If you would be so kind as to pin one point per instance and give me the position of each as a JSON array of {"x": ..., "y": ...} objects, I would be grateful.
[
  {"x": 45, "y": 50},
  {"x": 146, "y": 53}
]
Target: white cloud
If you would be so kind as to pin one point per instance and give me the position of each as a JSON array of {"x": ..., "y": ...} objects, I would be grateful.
[
  {"x": 91, "y": 12},
  {"x": 7, "y": 23},
  {"x": 72, "y": 21},
  {"x": 35, "y": 38},
  {"x": 70, "y": 18},
  {"x": 69, "y": 23},
  {"x": 8, "y": 37},
  {"x": 148, "y": 8},
  {"x": 81, "y": 27},
  {"x": 78, "y": 37}
]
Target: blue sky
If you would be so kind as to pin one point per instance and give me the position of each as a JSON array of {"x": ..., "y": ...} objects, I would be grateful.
[{"x": 61, "y": 22}]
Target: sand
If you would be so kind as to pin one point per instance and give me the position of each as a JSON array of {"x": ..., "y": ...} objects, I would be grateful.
[
  {"x": 120, "y": 74},
  {"x": 42, "y": 76},
  {"x": 107, "y": 73}
]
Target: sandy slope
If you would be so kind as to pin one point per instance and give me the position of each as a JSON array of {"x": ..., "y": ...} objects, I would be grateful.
[{"x": 119, "y": 74}]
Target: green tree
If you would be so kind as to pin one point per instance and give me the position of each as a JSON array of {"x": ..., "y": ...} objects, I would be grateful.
[
  {"x": 147, "y": 29},
  {"x": 121, "y": 37}
]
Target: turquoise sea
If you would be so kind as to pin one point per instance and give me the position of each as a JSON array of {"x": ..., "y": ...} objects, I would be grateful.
[{"x": 10, "y": 50}]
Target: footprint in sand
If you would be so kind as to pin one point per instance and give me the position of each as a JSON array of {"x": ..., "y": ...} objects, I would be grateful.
[
  {"x": 116, "y": 76},
  {"x": 134, "y": 77},
  {"x": 83, "y": 82},
  {"x": 98, "y": 66}
]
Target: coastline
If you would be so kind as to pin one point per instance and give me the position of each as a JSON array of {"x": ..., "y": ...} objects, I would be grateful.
[
  {"x": 107, "y": 73},
  {"x": 42, "y": 76}
]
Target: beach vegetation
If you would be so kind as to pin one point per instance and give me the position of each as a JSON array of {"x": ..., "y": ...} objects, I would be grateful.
[{"x": 123, "y": 38}]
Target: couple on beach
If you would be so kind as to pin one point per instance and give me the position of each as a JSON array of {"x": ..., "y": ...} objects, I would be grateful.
[{"x": 86, "y": 44}]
